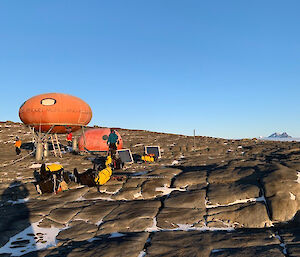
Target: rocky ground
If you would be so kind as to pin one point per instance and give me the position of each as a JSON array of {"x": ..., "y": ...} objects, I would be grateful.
[{"x": 223, "y": 198}]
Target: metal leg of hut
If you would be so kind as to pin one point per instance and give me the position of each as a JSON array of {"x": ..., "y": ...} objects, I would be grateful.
[
  {"x": 74, "y": 144},
  {"x": 84, "y": 142},
  {"x": 46, "y": 149},
  {"x": 39, "y": 151},
  {"x": 49, "y": 131}
]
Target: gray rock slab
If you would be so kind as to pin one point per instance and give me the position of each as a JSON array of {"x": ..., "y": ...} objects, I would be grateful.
[
  {"x": 223, "y": 194},
  {"x": 278, "y": 172},
  {"x": 166, "y": 172},
  {"x": 259, "y": 251},
  {"x": 79, "y": 231},
  {"x": 186, "y": 199},
  {"x": 63, "y": 215},
  {"x": 93, "y": 194},
  {"x": 293, "y": 250},
  {"x": 283, "y": 207},
  {"x": 229, "y": 175},
  {"x": 172, "y": 218},
  {"x": 149, "y": 188},
  {"x": 71, "y": 195},
  {"x": 134, "y": 182},
  {"x": 134, "y": 216},
  {"x": 252, "y": 215},
  {"x": 43, "y": 207},
  {"x": 128, "y": 193},
  {"x": 111, "y": 189},
  {"x": 282, "y": 192},
  {"x": 127, "y": 245},
  {"x": 77, "y": 204},
  {"x": 47, "y": 223},
  {"x": 290, "y": 236},
  {"x": 190, "y": 178},
  {"x": 195, "y": 243},
  {"x": 274, "y": 187},
  {"x": 97, "y": 211}
]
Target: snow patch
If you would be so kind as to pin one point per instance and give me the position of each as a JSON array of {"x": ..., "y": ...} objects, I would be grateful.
[
  {"x": 175, "y": 162},
  {"x": 138, "y": 145},
  {"x": 102, "y": 190},
  {"x": 35, "y": 166},
  {"x": 217, "y": 250},
  {"x": 140, "y": 173},
  {"x": 142, "y": 254},
  {"x": 102, "y": 198},
  {"x": 37, "y": 238},
  {"x": 184, "y": 227},
  {"x": 292, "y": 196},
  {"x": 284, "y": 250},
  {"x": 117, "y": 234},
  {"x": 154, "y": 227},
  {"x": 79, "y": 199},
  {"x": 19, "y": 201},
  {"x": 99, "y": 222},
  {"x": 188, "y": 227},
  {"x": 167, "y": 190},
  {"x": 38, "y": 165},
  {"x": 248, "y": 200},
  {"x": 94, "y": 239},
  {"x": 205, "y": 228},
  {"x": 137, "y": 195},
  {"x": 15, "y": 184},
  {"x": 298, "y": 175},
  {"x": 79, "y": 219},
  {"x": 282, "y": 244}
]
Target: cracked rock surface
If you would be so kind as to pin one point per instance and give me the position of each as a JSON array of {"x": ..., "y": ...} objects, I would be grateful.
[{"x": 219, "y": 198}]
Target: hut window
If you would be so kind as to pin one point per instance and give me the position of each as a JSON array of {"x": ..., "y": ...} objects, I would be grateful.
[{"x": 48, "y": 101}]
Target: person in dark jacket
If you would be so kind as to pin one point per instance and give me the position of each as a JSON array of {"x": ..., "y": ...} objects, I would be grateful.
[{"x": 112, "y": 143}]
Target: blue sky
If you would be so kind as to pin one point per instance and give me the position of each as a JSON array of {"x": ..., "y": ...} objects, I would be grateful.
[{"x": 225, "y": 68}]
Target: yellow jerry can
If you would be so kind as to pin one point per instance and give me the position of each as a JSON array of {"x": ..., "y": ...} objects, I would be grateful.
[
  {"x": 103, "y": 176},
  {"x": 54, "y": 167},
  {"x": 148, "y": 158}
]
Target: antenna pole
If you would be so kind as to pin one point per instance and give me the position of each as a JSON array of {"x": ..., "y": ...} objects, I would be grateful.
[{"x": 194, "y": 139}]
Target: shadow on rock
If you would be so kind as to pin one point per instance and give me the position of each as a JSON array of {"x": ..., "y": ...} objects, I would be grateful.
[{"x": 16, "y": 232}]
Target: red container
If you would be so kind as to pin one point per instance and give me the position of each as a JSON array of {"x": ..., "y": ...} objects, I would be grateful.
[
  {"x": 61, "y": 110},
  {"x": 96, "y": 140}
]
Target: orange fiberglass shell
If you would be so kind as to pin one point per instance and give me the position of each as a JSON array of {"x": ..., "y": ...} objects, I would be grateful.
[
  {"x": 96, "y": 140},
  {"x": 61, "y": 110}
]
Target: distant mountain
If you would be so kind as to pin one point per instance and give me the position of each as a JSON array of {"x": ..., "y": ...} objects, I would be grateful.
[{"x": 277, "y": 135}]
